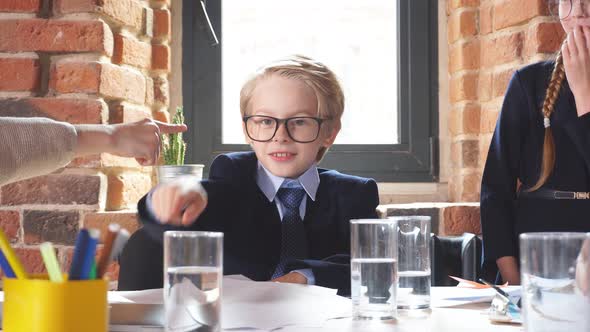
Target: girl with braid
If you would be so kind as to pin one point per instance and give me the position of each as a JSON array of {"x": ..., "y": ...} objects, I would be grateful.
[{"x": 537, "y": 174}]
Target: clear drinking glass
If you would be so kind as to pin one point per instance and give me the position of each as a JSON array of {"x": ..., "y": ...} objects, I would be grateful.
[
  {"x": 193, "y": 269},
  {"x": 413, "y": 238},
  {"x": 555, "y": 277},
  {"x": 373, "y": 268}
]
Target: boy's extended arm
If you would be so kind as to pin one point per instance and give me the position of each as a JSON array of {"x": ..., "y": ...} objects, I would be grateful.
[{"x": 220, "y": 192}]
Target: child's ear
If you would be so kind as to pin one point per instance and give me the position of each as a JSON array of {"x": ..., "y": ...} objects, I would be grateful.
[
  {"x": 332, "y": 132},
  {"x": 246, "y": 138}
]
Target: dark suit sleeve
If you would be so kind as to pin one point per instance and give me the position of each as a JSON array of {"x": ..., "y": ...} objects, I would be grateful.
[
  {"x": 334, "y": 271},
  {"x": 219, "y": 192},
  {"x": 141, "y": 262},
  {"x": 498, "y": 187}
]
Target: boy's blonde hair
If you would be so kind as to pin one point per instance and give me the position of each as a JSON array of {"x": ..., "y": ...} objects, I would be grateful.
[{"x": 321, "y": 79}]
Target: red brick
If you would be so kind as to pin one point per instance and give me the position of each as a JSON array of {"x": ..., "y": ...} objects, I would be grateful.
[
  {"x": 73, "y": 77},
  {"x": 545, "y": 37},
  {"x": 462, "y": 25},
  {"x": 59, "y": 189},
  {"x": 76, "y": 111},
  {"x": 55, "y": 36},
  {"x": 100, "y": 78},
  {"x": 501, "y": 80},
  {"x": 464, "y": 56},
  {"x": 101, "y": 221},
  {"x": 161, "y": 91},
  {"x": 489, "y": 116},
  {"x": 122, "y": 112},
  {"x": 471, "y": 184},
  {"x": 161, "y": 2},
  {"x": 465, "y": 119},
  {"x": 454, "y": 4},
  {"x": 20, "y": 6},
  {"x": 123, "y": 83},
  {"x": 502, "y": 49},
  {"x": 161, "y": 57},
  {"x": 460, "y": 219},
  {"x": 470, "y": 153},
  {"x": 463, "y": 87},
  {"x": 486, "y": 19},
  {"x": 509, "y": 13},
  {"x": 103, "y": 160},
  {"x": 10, "y": 224},
  {"x": 465, "y": 153},
  {"x": 125, "y": 190},
  {"x": 149, "y": 91},
  {"x": 485, "y": 86},
  {"x": 162, "y": 23},
  {"x": 126, "y": 12},
  {"x": 58, "y": 227},
  {"x": 131, "y": 51},
  {"x": 161, "y": 115},
  {"x": 31, "y": 259},
  {"x": 484, "y": 147},
  {"x": 19, "y": 74},
  {"x": 456, "y": 155},
  {"x": 454, "y": 191}
]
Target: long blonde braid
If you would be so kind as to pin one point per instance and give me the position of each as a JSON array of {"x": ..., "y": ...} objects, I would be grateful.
[{"x": 548, "y": 162}]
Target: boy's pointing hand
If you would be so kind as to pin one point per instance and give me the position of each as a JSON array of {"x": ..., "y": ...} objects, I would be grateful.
[{"x": 179, "y": 202}]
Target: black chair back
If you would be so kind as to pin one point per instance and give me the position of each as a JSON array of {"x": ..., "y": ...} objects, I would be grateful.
[{"x": 458, "y": 256}]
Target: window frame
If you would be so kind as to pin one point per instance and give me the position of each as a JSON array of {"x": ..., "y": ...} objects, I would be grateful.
[{"x": 414, "y": 159}]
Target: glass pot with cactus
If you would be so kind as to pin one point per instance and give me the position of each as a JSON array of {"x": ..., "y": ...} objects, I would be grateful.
[{"x": 173, "y": 152}]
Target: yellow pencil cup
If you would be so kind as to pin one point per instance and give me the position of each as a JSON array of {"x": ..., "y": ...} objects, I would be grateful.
[{"x": 39, "y": 305}]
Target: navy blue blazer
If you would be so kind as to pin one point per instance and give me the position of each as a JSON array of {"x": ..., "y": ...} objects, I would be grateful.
[
  {"x": 252, "y": 227},
  {"x": 515, "y": 154}
]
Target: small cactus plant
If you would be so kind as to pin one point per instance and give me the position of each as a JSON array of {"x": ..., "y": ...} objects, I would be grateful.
[{"x": 173, "y": 146}]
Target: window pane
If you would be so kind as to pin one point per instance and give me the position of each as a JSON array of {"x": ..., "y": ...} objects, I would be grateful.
[{"x": 357, "y": 39}]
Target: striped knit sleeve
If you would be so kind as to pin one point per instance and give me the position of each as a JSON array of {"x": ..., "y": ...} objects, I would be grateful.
[{"x": 34, "y": 146}]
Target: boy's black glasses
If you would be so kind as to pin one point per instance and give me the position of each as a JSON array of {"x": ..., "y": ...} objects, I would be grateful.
[{"x": 301, "y": 129}]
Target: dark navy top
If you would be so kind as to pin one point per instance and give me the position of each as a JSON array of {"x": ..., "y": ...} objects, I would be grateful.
[
  {"x": 515, "y": 154},
  {"x": 252, "y": 226}
]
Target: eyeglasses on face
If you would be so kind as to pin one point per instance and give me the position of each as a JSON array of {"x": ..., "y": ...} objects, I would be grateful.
[{"x": 301, "y": 129}]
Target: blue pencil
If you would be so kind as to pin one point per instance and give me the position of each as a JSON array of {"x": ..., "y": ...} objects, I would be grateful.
[{"x": 6, "y": 266}]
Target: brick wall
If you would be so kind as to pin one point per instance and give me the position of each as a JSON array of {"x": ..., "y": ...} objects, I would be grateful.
[
  {"x": 488, "y": 40},
  {"x": 81, "y": 61}
]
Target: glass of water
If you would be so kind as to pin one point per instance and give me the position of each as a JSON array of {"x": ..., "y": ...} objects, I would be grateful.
[
  {"x": 193, "y": 269},
  {"x": 413, "y": 238},
  {"x": 373, "y": 268},
  {"x": 554, "y": 278}
]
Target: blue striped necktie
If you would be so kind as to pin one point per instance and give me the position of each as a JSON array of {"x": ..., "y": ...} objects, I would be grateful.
[{"x": 293, "y": 239}]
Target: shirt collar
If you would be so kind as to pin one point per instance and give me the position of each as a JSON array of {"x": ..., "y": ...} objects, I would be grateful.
[{"x": 269, "y": 183}]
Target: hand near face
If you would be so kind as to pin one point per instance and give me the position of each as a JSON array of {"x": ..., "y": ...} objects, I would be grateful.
[{"x": 576, "y": 60}]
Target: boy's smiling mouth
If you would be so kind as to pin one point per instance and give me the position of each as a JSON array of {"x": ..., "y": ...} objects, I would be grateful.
[{"x": 282, "y": 156}]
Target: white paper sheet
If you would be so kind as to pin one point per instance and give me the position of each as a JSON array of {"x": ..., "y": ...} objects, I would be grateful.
[
  {"x": 262, "y": 305},
  {"x": 455, "y": 296}
]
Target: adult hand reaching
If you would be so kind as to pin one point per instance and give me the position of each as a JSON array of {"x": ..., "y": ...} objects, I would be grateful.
[{"x": 140, "y": 140}]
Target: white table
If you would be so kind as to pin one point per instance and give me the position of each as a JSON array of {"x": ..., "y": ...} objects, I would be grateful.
[{"x": 466, "y": 318}]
